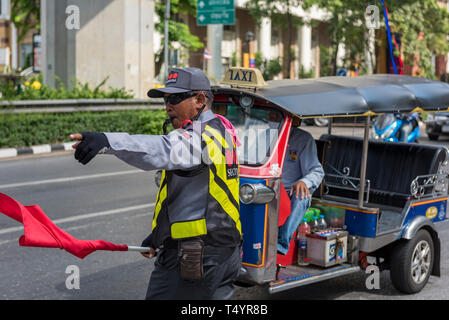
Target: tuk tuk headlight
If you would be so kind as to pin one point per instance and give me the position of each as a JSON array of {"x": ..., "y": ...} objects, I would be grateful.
[
  {"x": 247, "y": 101},
  {"x": 256, "y": 193}
]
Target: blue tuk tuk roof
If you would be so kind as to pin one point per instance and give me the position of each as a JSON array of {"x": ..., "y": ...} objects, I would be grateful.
[{"x": 350, "y": 96}]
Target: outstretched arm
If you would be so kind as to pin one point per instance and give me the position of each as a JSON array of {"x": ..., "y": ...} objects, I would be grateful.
[{"x": 179, "y": 150}]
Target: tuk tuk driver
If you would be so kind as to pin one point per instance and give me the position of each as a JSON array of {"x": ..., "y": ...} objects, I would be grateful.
[{"x": 301, "y": 176}]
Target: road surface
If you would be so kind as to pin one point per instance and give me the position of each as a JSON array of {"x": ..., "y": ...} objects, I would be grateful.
[{"x": 110, "y": 200}]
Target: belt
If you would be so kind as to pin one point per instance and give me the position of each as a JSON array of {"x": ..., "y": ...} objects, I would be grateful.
[{"x": 174, "y": 244}]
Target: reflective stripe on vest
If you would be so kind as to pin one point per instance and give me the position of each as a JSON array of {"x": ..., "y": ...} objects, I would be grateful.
[
  {"x": 161, "y": 196},
  {"x": 188, "y": 229},
  {"x": 224, "y": 191}
]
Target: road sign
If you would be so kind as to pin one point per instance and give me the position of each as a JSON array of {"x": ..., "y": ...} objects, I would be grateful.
[
  {"x": 215, "y": 12},
  {"x": 342, "y": 72}
]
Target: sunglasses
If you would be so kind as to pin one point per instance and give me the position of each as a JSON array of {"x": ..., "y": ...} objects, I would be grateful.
[{"x": 177, "y": 98}]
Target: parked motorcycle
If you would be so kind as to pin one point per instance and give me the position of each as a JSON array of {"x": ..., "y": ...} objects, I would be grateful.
[{"x": 396, "y": 127}]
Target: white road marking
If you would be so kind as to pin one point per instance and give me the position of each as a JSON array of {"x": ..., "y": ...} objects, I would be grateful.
[
  {"x": 8, "y": 241},
  {"x": 86, "y": 216},
  {"x": 68, "y": 179}
]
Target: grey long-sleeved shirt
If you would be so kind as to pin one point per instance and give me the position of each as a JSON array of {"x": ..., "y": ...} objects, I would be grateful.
[
  {"x": 301, "y": 161},
  {"x": 179, "y": 150}
]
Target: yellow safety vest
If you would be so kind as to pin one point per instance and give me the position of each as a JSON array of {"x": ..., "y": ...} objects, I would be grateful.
[{"x": 203, "y": 202}]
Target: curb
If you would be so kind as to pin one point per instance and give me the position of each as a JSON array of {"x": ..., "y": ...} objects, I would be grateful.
[{"x": 46, "y": 148}]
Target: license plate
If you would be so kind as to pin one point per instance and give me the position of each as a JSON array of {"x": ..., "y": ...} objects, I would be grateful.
[{"x": 445, "y": 128}]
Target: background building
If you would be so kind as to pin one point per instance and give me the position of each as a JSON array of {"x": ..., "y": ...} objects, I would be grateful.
[
  {"x": 116, "y": 40},
  {"x": 269, "y": 40},
  {"x": 113, "y": 40},
  {"x": 14, "y": 53}
]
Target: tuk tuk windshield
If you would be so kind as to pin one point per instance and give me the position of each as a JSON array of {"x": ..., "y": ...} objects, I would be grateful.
[{"x": 258, "y": 129}]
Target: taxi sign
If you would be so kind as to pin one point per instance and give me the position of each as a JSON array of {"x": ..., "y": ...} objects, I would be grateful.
[{"x": 244, "y": 77}]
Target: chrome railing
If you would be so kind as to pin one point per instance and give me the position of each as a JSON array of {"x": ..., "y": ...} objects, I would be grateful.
[{"x": 343, "y": 180}]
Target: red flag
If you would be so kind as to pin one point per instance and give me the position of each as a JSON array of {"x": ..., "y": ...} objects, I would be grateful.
[{"x": 40, "y": 231}]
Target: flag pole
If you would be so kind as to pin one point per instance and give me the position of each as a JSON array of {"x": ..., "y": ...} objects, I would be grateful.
[{"x": 138, "y": 249}]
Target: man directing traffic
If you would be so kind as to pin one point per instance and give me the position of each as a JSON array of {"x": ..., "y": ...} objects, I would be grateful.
[{"x": 196, "y": 224}]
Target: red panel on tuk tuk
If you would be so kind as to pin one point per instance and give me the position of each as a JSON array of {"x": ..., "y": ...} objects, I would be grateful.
[
  {"x": 284, "y": 211},
  {"x": 284, "y": 206},
  {"x": 221, "y": 98},
  {"x": 292, "y": 255},
  {"x": 273, "y": 167}
]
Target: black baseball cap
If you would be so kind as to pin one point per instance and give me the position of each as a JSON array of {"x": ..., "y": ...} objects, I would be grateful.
[{"x": 182, "y": 80}]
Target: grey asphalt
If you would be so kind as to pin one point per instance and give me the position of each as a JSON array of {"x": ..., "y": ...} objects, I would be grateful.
[{"x": 39, "y": 273}]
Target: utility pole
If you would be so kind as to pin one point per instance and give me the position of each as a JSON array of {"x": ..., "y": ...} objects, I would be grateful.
[
  {"x": 166, "y": 51},
  {"x": 214, "y": 14},
  {"x": 214, "y": 40}
]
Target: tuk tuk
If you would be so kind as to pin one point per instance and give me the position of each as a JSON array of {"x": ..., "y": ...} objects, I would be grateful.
[{"x": 382, "y": 199}]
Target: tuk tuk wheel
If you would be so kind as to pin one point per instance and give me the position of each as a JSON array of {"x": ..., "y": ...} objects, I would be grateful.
[{"x": 411, "y": 263}]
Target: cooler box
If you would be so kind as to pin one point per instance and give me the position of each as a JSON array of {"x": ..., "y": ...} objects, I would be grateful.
[{"x": 327, "y": 248}]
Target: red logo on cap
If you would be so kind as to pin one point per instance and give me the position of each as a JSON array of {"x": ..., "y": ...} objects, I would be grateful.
[{"x": 173, "y": 76}]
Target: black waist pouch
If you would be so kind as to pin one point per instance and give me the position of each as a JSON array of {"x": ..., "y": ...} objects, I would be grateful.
[{"x": 191, "y": 259}]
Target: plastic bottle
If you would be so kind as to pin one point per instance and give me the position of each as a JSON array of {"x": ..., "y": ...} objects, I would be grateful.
[
  {"x": 304, "y": 229},
  {"x": 322, "y": 225},
  {"x": 314, "y": 225}
]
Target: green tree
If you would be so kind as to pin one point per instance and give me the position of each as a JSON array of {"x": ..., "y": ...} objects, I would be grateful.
[
  {"x": 422, "y": 24},
  {"x": 269, "y": 68},
  {"x": 25, "y": 14},
  {"x": 424, "y": 29},
  {"x": 325, "y": 58},
  {"x": 346, "y": 26},
  {"x": 278, "y": 10},
  {"x": 178, "y": 31}
]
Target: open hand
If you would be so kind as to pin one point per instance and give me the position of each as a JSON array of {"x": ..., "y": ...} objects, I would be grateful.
[{"x": 300, "y": 188}]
